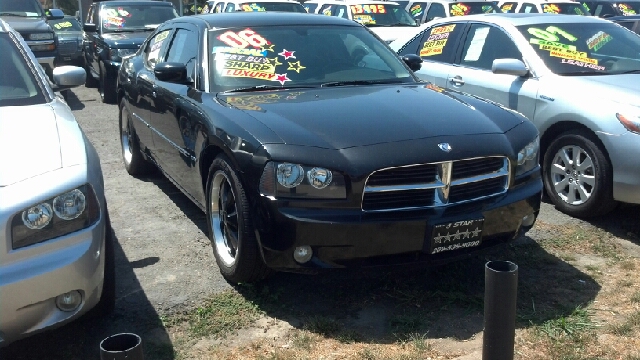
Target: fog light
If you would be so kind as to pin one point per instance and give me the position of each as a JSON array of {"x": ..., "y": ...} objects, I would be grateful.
[
  {"x": 528, "y": 220},
  {"x": 69, "y": 301},
  {"x": 302, "y": 254}
]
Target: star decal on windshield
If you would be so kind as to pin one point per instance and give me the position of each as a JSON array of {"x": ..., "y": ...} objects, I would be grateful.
[
  {"x": 282, "y": 78},
  {"x": 287, "y": 54},
  {"x": 295, "y": 66},
  {"x": 267, "y": 48},
  {"x": 274, "y": 61}
]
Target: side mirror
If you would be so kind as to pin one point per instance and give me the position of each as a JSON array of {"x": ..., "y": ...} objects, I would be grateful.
[
  {"x": 509, "y": 67},
  {"x": 171, "y": 72},
  {"x": 67, "y": 77},
  {"x": 90, "y": 28},
  {"x": 413, "y": 61},
  {"x": 55, "y": 14}
]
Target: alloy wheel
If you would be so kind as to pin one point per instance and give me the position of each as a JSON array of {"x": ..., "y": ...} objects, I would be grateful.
[
  {"x": 224, "y": 218},
  {"x": 573, "y": 175},
  {"x": 125, "y": 136}
]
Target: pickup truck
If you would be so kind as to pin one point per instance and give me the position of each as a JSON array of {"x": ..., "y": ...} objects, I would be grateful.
[
  {"x": 113, "y": 30},
  {"x": 29, "y": 19}
]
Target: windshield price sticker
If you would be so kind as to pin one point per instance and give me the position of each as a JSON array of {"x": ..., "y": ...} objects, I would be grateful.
[
  {"x": 548, "y": 40},
  {"x": 598, "y": 40},
  {"x": 550, "y": 9},
  {"x": 460, "y": 9},
  {"x": 63, "y": 25},
  {"x": 364, "y": 19},
  {"x": 436, "y": 41},
  {"x": 626, "y": 9},
  {"x": 507, "y": 7},
  {"x": 113, "y": 21},
  {"x": 253, "y": 7},
  {"x": 368, "y": 9},
  {"x": 243, "y": 39},
  {"x": 416, "y": 10}
]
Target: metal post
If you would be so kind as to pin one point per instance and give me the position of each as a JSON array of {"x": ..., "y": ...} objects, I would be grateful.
[
  {"x": 124, "y": 346},
  {"x": 500, "y": 294}
]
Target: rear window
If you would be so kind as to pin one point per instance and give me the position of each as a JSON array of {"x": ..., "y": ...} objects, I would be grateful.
[
  {"x": 18, "y": 86},
  {"x": 472, "y": 8},
  {"x": 564, "y": 8},
  {"x": 272, "y": 6}
]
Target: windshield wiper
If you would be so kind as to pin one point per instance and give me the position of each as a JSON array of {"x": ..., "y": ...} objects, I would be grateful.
[
  {"x": 636, "y": 71},
  {"x": 361, "y": 82},
  {"x": 395, "y": 24},
  {"x": 583, "y": 73},
  {"x": 123, "y": 30},
  {"x": 9, "y": 13},
  {"x": 263, "y": 88}
]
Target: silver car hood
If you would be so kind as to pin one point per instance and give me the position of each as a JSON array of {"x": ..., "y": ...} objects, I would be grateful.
[
  {"x": 38, "y": 139},
  {"x": 624, "y": 89}
]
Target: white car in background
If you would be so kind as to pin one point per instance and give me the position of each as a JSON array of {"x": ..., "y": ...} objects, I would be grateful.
[
  {"x": 56, "y": 244},
  {"x": 565, "y": 7}
]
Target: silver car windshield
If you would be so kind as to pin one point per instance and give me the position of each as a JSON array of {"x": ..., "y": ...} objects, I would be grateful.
[
  {"x": 585, "y": 48},
  {"x": 23, "y": 8},
  {"x": 135, "y": 17},
  {"x": 300, "y": 56},
  {"x": 18, "y": 86}
]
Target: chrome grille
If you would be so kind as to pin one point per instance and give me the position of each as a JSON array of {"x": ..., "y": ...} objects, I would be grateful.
[
  {"x": 437, "y": 184},
  {"x": 67, "y": 47}
]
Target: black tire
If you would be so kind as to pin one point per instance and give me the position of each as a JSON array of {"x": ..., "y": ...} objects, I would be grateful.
[
  {"x": 107, "y": 89},
  {"x": 134, "y": 161},
  {"x": 107, "y": 302},
  {"x": 232, "y": 237},
  {"x": 90, "y": 81},
  {"x": 563, "y": 178}
]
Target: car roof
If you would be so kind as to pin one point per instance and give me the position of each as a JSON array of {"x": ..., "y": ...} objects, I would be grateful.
[
  {"x": 4, "y": 27},
  {"x": 134, "y": 2},
  {"x": 274, "y": 18},
  {"x": 528, "y": 18}
]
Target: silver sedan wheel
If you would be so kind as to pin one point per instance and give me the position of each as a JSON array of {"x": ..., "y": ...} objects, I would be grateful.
[
  {"x": 125, "y": 136},
  {"x": 573, "y": 175},
  {"x": 224, "y": 218}
]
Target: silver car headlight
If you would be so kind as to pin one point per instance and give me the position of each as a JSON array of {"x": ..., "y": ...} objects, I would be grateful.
[
  {"x": 528, "y": 157},
  {"x": 298, "y": 181},
  {"x": 63, "y": 214},
  {"x": 630, "y": 122},
  {"x": 118, "y": 54}
]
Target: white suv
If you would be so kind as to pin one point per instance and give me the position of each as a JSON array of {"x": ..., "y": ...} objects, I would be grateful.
[{"x": 385, "y": 18}]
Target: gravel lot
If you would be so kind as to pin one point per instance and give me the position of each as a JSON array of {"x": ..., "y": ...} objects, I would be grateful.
[{"x": 164, "y": 258}]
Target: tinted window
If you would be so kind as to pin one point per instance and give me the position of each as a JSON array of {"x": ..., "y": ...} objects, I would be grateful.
[
  {"x": 574, "y": 48},
  {"x": 471, "y": 8},
  {"x": 325, "y": 10},
  {"x": 154, "y": 47},
  {"x": 66, "y": 24},
  {"x": 311, "y": 8},
  {"x": 528, "y": 8},
  {"x": 486, "y": 43},
  {"x": 381, "y": 15},
  {"x": 18, "y": 85},
  {"x": 126, "y": 17},
  {"x": 272, "y": 6},
  {"x": 231, "y": 7},
  {"x": 184, "y": 50},
  {"x": 436, "y": 11},
  {"x": 509, "y": 7},
  {"x": 27, "y": 8},
  {"x": 341, "y": 11},
  {"x": 564, "y": 8},
  {"x": 439, "y": 43},
  {"x": 417, "y": 10},
  {"x": 300, "y": 55}
]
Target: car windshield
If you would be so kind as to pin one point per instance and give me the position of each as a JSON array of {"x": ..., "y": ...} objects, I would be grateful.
[
  {"x": 301, "y": 56},
  {"x": 135, "y": 17},
  {"x": 18, "y": 85},
  {"x": 585, "y": 48},
  {"x": 66, "y": 24},
  {"x": 564, "y": 8},
  {"x": 272, "y": 6},
  {"x": 472, "y": 8},
  {"x": 26, "y": 8},
  {"x": 381, "y": 15},
  {"x": 629, "y": 8}
]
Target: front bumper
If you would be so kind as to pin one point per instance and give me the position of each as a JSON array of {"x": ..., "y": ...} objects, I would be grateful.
[
  {"x": 345, "y": 238},
  {"x": 626, "y": 167}
]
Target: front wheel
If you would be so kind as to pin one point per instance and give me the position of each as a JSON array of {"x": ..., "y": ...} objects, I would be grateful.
[
  {"x": 578, "y": 176},
  {"x": 107, "y": 90},
  {"x": 134, "y": 161},
  {"x": 230, "y": 228}
]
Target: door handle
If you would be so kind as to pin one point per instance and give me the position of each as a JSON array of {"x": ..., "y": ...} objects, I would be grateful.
[{"x": 457, "y": 80}]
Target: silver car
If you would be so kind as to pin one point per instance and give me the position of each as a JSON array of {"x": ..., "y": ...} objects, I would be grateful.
[
  {"x": 576, "y": 77},
  {"x": 56, "y": 244}
]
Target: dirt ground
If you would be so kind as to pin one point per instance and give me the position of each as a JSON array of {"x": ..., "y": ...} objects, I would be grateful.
[{"x": 166, "y": 269}]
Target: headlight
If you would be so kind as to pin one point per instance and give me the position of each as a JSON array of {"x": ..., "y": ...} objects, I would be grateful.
[
  {"x": 41, "y": 36},
  {"x": 118, "y": 54},
  {"x": 66, "y": 213},
  {"x": 528, "y": 157},
  {"x": 286, "y": 180},
  {"x": 630, "y": 122}
]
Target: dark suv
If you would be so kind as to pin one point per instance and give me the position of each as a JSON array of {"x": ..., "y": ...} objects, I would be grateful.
[
  {"x": 612, "y": 8},
  {"x": 29, "y": 19},
  {"x": 115, "y": 29}
]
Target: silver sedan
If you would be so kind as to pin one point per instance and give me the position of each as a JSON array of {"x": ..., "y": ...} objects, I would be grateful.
[
  {"x": 56, "y": 245},
  {"x": 576, "y": 77}
]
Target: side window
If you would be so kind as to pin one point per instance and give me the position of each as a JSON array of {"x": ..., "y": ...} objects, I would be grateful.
[
  {"x": 218, "y": 8},
  {"x": 89, "y": 19},
  {"x": 311, "y": 8},
  {"x": 439, "y": 43},
  {"x": 528, "y": 8},
  {"x": 509, "y": 7},
  {"x": 436, "y": 11},
  {"x": 231, "y": 7},
  {"x": 605, "y": 10},
  {"x": 153, "y": 50},
  {"x": 417, "y": 10},
  {"x": 341, "y": 11},
  {"x": 325, "y": 10},
  {"x": 486, "y": 43},
  {"x": 183, "y": 49},
  {"x": 95, "y": 17}
]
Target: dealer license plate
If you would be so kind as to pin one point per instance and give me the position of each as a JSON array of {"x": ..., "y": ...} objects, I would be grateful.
[{"x": 456, "y": 235}]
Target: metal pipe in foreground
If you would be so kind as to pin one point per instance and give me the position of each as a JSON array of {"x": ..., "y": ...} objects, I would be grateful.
[
  {"x": 124, "y": 346},
  {"x": 500, "y": 293}
]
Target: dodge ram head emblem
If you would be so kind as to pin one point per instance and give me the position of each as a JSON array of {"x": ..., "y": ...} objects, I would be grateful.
[{"x": 445, "y": 147}]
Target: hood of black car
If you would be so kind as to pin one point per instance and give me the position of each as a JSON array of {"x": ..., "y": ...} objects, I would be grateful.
[
  {"x": 351, "y": 116},
  {"x": 134, "y": 39},
  {"x": 30, "y": 25}
]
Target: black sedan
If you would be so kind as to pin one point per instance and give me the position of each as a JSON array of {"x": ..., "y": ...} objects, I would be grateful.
[{"x": 309, "y": 144}]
